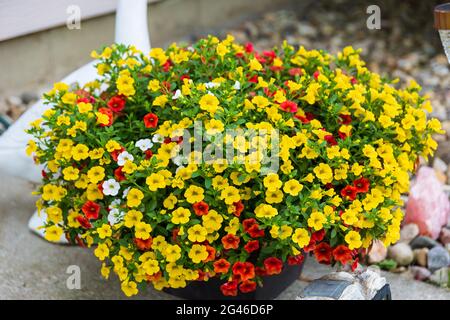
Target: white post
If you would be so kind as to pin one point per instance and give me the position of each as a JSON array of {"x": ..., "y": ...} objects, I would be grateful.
[{"x": 131, "y": 24}]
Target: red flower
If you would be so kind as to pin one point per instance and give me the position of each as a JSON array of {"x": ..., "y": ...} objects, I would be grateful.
[
  {"x": 247, "y": 286},
  {"x": 248, "y": 47},
  {"x": 221, "y": 266},
  {"x": 211, "y": 254},
  {"x": 247, "y": 223},
  {"x": 318, "y": 235},
  {"x": 166, "y": 66},
  {"x": 311, "y": 246},
  {"x": 150, "y": 120},
  {"x": 295, "y": 260},
  {"x": 253, "y": 79},
  {"x": 230, "y": 241},
  {"x": 154, "y": 277},
  {"x": 115, "y": 153},
  {"x": 316, "y": 74},
  {"x": 148, "y": 154},
  {"x": 238, "y": 208},
  {"x": 273, "y": 265},
  {"x": 91, "y": 210},
  {"x": 289, "y": 106},
  {"x": 143, "y": 245},
  {"x": 229, "y": 288},
  {"x": 260, "y": 271},
  {"x": 245, "y": 270},
  {"x": 342, "y": 254},
  {"x": 349, "y": 192},
  {"x": 200, "y": 208},
  {"x": 251, "y": 246},
  {"x": 109, "y": 113},
  {"x": 84, "y": 222},
  {"x": 345, "y": 118},
  {"x": 116, "y": 103},
  {"x": 362, "y": 185},
  {"x": 323, "y": 253},
  {"x": 119, "y": 175},
  {"x": 255, "y": 232},
  {"x": 295, "y": 72},
  {"x": 184, "y": 76},
  {"x": 331, "y": 140}
]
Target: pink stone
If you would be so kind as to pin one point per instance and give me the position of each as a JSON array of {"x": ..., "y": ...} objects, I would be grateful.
[
  {"x": 377, "y": 253},
  {"x": 428, "y": 205},
  {"x": 444, "y": 237}
]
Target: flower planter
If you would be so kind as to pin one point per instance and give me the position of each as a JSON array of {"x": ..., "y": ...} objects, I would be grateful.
[{"x": 272, "y": 287}]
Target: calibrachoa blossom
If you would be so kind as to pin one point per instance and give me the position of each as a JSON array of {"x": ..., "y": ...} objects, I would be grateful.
[{"x": 114, "y": 177}]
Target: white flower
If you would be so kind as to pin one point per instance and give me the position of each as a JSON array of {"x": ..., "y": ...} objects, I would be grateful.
[
  {"x": 237, "y": 85},
  {"x": 115, "y": 216},
  {"x": 157, "y": 138},
  {"x": 144, "y": 144},
  {"x": 111, "y": 187},
  {"x": 179, "y": 160},
  {"x": 210, "y": 85},
  {"x": 123, "y": 157},
  {"x": 177, "y": 94},
  {"x": 125, "y": 192},
  {"x": 191, "y": 49},
  {"x": 114, "y": 204}
]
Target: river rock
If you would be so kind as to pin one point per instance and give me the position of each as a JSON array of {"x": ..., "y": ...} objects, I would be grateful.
[
  {"x": 377, "y": 253},
  {"x": 444, "y": 236},
  {"x": 401, "y": 253},
  {"x": 428, "y": 205},
  {"x": 440, "y": 276},
  {"x": 423, "y": 242},
  {"x": 409, "y": 232},
  {"x": 420, "y": 273},
  {"x": 438, "y": 257},
  {"x": 421, "y": 256}
]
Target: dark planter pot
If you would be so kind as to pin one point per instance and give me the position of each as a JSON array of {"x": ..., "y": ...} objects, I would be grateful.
[{"x": 210, "y": 290}]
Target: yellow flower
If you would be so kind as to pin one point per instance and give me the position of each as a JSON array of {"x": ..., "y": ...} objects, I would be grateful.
[
  {"x": 159, "y": 54},
  {"x": 153, "y": 85},
  {"x": 104, "y": 231},
  {"x": 160, "y": 100},
  {"x": 353, "y": 240},
  {"x": 333, "y": 152},
  {"x": 209, "y": 103},
  {"x": 142, "y": 230},
  {"x": 274, "y": 196},
  {"x": 84, "y": 107},
  {"x": 197, "y": 233},
  {"x": 170, "y": 202},
  {"x": 70, "y": 173},
  {"x": 112, "y": 145},
  {"x": 155, "y": 181},
  {"x": 129, "y": 288},
  {"x": 129, "y": 167},
  {"x": 172, "y": 252},
  {"x": 293, "y": 187},
  {"x": 134, "y": 197},
  {"x": 151, "y": 266},
  {"x": 301, "y": 237},
  {"x": 69, "y": 98},
  {"x": 53, "y": 233},
  {"x": 260, "y": 102},
  {"x": 214, "y": 126},
  {"x": 212, "y": 221},
  {"x": 272, "y": 182},
  {"x": 230, "y": 195},
  {"x": 80, "y": 152},
  {"x": 265, "y": 211},
  {"x": 125, "y": 85},
  {"x": 96, "y": 174},
  {"x": 132, "y": 218},
  {"x": 316, "y": 220},
  {"x": 324, "y": 173},
  {"x": 180, "y": 216},
  {"x": 105, "y": 271},
  {"x": 198, "y": 253},
  {"x": 254, "y": 65},
  {"x": 222, "y": 50},
  {"x": 194, "y": 194},
  {"x": 101, "y": 252}
]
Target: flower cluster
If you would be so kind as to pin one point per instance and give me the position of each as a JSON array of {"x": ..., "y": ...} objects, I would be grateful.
[{"x": 114, "y": 176}]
